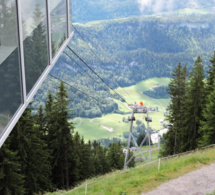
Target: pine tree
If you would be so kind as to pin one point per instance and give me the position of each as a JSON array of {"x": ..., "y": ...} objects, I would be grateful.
[
  {"x": 195, "y": 101},
  {"x": 106, "y": 165},
  {"x": 27, "y": 142},
  {"x": 97, "y": 161},
  {"x": 41, "y": 122},
  {"x": 87, "y": 160},
  {"x": 49, "y": 108},
  {"x": 141, "y": 137},
  {"x": 77, "y": 159},
  {"x": 60, "y": 139},
  {"x": 49, "y": 120},
  {"x": 207, "y": 129},
  {"x": 115, "y": 156},
  {"x": 11, "y": 179},
  {"x": 207, "y": 123},
  {"x": 45, "y": 180},
  {"x": 211, "y": 76},
  {"x": 177, "y": 91}
]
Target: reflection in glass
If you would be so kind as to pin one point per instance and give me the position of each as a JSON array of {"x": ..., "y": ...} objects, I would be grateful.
[
  {"x": 34, "y": 26},
  {"x": 58, "y": 24},
  {"x": 10, "y": 87}
]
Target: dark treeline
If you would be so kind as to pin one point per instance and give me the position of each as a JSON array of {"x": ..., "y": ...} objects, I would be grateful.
[
  {"x": 191, "y": 112},
  {"x": 157, "y": 93},
  {"x": 139, "y": 129},
  {"x": 43, "y": 153}
]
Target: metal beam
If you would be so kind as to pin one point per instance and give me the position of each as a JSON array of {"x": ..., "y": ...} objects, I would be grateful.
[
  {"x": 68, "y": 17},
  {"x": 129, "y": 140},
  {"x": 49, "y": 38},
  {"x": 21, "y": 50}
]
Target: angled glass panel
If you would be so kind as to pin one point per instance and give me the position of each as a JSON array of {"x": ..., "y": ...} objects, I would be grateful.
[
  {"x": 34, "y": 26},
  {"x": 58, "y": 24},
  {"x": 10, "y": 86}
]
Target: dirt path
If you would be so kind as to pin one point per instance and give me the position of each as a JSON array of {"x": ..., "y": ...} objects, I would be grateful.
[
  {"x": 164, "y": 109},
  {"x": 127, "y": 106},
  {"x": 110, "y": 129},
  {"x": 79, "y": 122},
  {"x": 198, "y": 182}
]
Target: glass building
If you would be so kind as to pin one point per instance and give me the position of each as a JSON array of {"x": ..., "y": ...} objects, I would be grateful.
[{"x": 33, "y": 34}]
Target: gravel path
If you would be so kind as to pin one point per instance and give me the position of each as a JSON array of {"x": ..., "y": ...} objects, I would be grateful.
[
  {"x": 77, "y": 125},
  {"x": 110, "y": 129},
  {"x": 198, "y": 182}
]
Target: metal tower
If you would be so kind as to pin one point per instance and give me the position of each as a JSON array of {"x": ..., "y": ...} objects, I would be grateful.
[{"x": 140, "y": 110}]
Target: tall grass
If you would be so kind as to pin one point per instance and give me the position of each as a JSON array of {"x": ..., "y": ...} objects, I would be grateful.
[{"x": 145, "y": 178}]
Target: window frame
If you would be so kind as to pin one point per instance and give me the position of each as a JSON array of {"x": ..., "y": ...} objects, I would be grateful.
[{"x": 26, "y": 99}]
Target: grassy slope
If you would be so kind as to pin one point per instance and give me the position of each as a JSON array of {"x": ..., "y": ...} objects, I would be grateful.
[
  {"x": 143, "y": 179},
  {"x": 94, "y": 131},
  {"x": 134, "y": 92}
]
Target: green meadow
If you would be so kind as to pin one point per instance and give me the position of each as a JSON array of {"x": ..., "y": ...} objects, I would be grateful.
[
  {"x": 93, "y": 129},
  {"x": 134, "y": 93}
]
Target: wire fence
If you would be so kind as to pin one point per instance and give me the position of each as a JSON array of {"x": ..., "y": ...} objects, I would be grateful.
[{"x": 86, "y": 185}]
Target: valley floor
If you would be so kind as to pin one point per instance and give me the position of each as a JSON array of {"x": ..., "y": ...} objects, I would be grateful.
[{"x": 112, "y": 125}]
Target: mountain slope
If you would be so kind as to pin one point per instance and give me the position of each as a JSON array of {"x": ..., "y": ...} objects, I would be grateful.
[
  {"x": 149, "y": 42},
  {"x": 132, "y": 49},
  {"x": 145, "y": 178}
]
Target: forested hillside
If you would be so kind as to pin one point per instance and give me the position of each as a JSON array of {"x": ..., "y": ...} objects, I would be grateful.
[
  {"x": 132, "y": 50},
  {"x": 151, "y": 41}
]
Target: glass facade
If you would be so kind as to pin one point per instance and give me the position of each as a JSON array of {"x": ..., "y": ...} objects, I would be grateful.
[
  {"x": 58, "y": 24},
  {"x": 31, "y": 33},
  {"x": 10, "y": 86},
  {"x": 34, "y": 29}
]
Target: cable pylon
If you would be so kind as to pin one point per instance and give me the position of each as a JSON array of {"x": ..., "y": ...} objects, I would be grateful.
[{"x": 143, "y": 110}]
